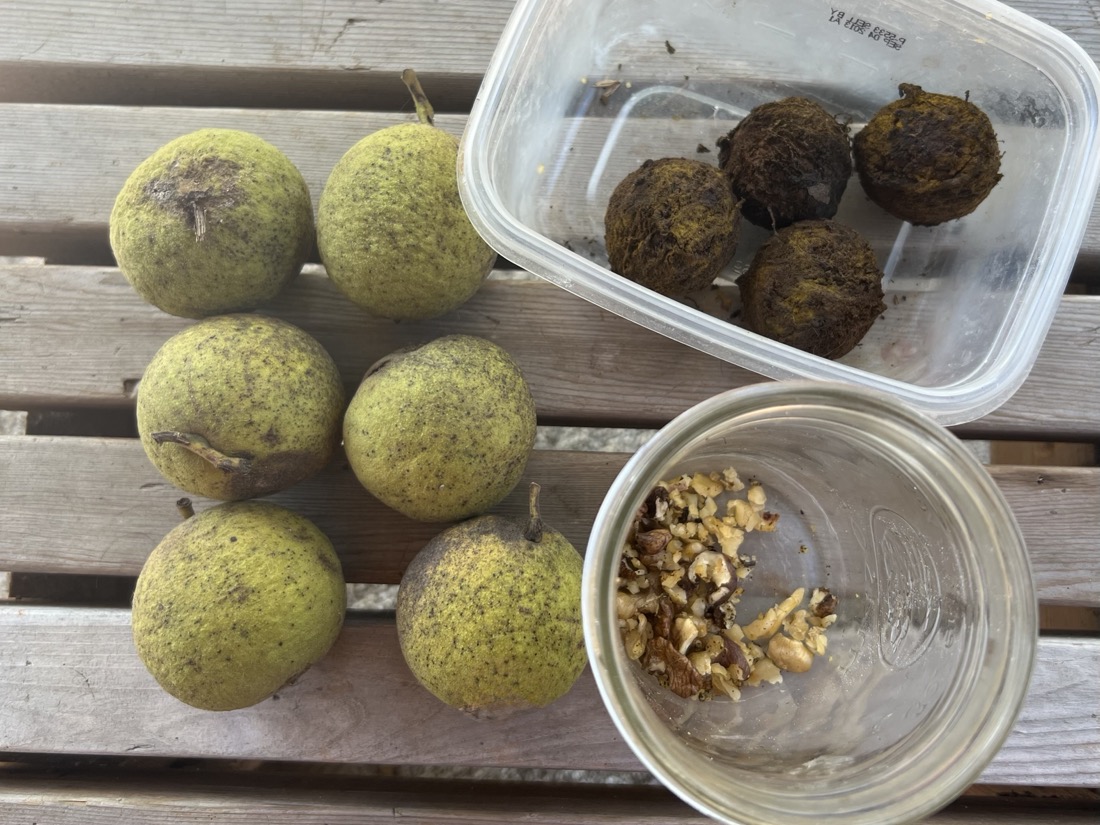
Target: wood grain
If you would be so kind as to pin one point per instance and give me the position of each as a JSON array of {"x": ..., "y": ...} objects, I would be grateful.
[
  {"x": 144, "y": 799},
  {"x": 287, "y": 53},
  {"x": 279, "y": 54},
  {"x": 71, "y": 682},
  {"x": 86, "y": 505},
  {"x": 81, "y": 336}
]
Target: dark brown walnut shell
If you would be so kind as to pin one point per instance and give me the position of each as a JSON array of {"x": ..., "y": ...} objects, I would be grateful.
[
  {"x": 928, "y": 158},
  {"x": 814, "y": 285},
  {"x": 672, "y": 225},
  {"x": 789, "y": 161}
]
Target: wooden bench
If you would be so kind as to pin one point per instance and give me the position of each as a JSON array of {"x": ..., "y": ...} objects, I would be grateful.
[{"x": 86, "y": 91}]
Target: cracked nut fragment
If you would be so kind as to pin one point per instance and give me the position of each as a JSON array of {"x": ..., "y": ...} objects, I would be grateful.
[
  {"x": 789, "y": 654},
  {"x": 681, "y": 577}
]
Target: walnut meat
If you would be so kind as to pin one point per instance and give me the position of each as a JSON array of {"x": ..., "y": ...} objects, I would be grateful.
[{"x": 681, "y": 577}]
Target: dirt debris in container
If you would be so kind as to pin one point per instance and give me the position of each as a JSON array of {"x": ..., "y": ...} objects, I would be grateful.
[{"x": 682, "y": 574}]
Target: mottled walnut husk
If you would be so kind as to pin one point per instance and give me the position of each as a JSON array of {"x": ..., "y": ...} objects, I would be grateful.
[
  {"x": 815, "y": 286},
  {"x": 928, "y": 158},
  {"x": 789, "y": 161},
  {"x": 672, "y": 225}
]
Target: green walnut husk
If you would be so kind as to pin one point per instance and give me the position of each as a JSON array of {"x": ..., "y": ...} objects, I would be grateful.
[
  {"x": 442, "y": 431},
  {"x": 489, "y": 615},
  {"x": 672, "y": 225},
  {"x": 215, "y": 221},
  {"x": 391, "y": 229},
  {"x": 814, "y": 285},
  {"x": 789, "y": 160},
  {"x": 236, "y": 602},
  {"x": 239, "y": 406},
  {"x": 928, "y": 158}
]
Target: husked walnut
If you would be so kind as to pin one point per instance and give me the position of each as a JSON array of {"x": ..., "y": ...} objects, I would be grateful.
[
  {"x": 706, "y": 486},
  {"x": 652, "y": 542},
  {"x": 823, "y": 603},
  {"x": 681, "y": 578},
  {"x": 789, "y": 654},
  {"x": 768, "y": 624},
  {"x": 816, "y": 641},
  {"x": 683, "y": 679},
  {"x": 733, "y": 659},
  {"x": 764, "y": 670},
  {"x": 722, "y": 681},
  {"x": 686, "y": 630}
]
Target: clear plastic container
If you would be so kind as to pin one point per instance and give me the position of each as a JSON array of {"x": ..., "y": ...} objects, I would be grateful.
[
  {"x": 581, "y": 92},
  {"x": 930, "y": 656}
]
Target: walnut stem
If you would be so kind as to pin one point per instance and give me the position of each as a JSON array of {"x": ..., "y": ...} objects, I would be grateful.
[
  {"x": 201, "y": 447},
  {"x": 533, "y": 532},
  {"x": 186, "y": 510},
  {"x": 424, "y": 108}
]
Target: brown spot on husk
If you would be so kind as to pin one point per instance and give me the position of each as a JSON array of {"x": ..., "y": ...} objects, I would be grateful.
[{"x": 196, "y": 190}]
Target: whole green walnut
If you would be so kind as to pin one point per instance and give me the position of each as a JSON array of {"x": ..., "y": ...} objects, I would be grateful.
[
  {"x": 215, "y": 221},
  {"x": 239, "y": 406},
  {"x": 236, "y": 602},
  {"x": 814, "y": 285},
  {"x": 672, "y": 225},
  {"x": 442, "y": 431},
  {"x": 928, "y": 158},
  {"x": 391, "y": 229},
  {"x": 789, "y": 160},
  {"x": 489, "y": 615}
]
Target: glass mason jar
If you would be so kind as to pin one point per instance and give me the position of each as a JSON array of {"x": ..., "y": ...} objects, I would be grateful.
[{"x": 930, "y": 655}]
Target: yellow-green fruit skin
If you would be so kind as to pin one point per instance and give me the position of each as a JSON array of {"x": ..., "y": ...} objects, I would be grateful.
[
  {"x": 252, "y": 386},
  {"x": 490, "y": 622},
  {"x": 441, "y": 432},
  {"x": 254, "y": 231},
  {"x": 391, "y": 229},
  {"x": 235, "y": 602}
]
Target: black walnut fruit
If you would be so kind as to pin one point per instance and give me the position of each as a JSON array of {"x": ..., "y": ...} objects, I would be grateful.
[
  {"x": 814, "y": 285},
  {"x": 672, "y": 225},
  {"x": 789, "y": 161},
  {"x": 927, "y": 158}
]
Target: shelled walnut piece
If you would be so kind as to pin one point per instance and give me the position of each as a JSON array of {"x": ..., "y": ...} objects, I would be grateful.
[{"x": 681, "y": 577}]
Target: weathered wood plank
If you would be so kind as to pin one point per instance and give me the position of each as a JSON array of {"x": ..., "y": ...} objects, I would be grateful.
[
  {"x": 81, "y": 336},
  {"x": 287, "y": 53},
  {"x": 284, "y": 39},
  {"x": 86, "y": 505},
  {"x": 278, "y": 53},
  {"x": 71, "y": 682},
  {"x": 148, "y": 799},
  {"x": 99, "y": 506}
]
